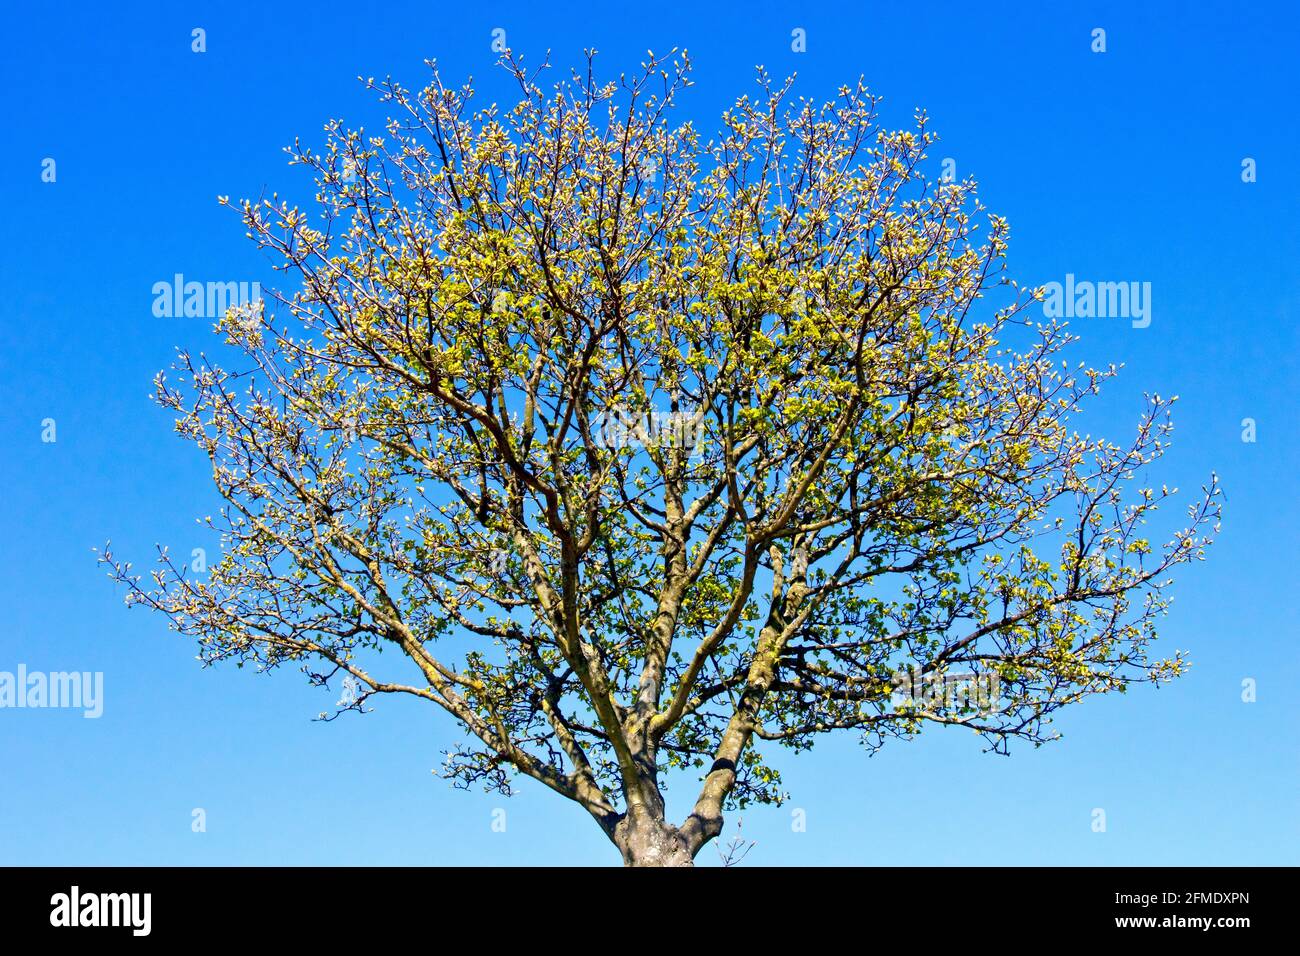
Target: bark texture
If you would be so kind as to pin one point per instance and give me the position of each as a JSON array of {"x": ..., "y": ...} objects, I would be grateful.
[{"x": 645, "y": 841}]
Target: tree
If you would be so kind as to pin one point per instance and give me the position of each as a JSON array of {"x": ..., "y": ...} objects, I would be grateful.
[{"x": 645, "y": 453}]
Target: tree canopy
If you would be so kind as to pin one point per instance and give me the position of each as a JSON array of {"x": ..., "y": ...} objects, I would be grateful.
[{"x": 641, "y": 454}]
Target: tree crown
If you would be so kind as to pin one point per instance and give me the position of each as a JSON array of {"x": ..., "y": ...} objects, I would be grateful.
[{"x": 643, "y": 451}]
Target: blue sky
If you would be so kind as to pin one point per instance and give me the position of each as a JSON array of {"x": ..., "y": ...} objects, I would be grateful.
[{"x": 1119, "y": 166}]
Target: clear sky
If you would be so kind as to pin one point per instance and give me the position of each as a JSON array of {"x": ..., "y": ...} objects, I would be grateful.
[{"x": 1117, "y": 166}]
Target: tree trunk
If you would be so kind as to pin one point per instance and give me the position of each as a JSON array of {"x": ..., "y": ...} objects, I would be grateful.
[{"x": 645, "y": 841}]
